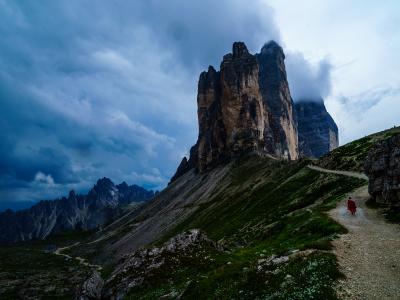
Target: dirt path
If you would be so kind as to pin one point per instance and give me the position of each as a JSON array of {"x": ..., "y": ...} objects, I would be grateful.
[
  {"x": 369, "y": 255},
  {"x": 81, "y": 260},
  {"x": 346, "y": 173}
]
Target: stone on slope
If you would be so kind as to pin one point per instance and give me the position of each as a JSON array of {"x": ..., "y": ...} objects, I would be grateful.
[
  {"x": 144, "y": 264},
  {"x": 91, "y": 289}
]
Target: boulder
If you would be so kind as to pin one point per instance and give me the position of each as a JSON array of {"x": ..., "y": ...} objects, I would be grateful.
[{"x": 91, "y": 289}]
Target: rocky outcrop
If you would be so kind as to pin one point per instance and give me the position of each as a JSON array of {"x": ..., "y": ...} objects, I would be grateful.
[
  {"x": 382, "y": 167},
  {"x": 91, "y": 289},
  {"x": 245, "y": 107},
  {"x": 145, "y": 264},
  {"x": 103, "y": 203},
  {"x": 317, "y": 131}
]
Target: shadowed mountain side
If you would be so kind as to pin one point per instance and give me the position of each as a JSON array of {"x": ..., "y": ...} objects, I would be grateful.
[
  {"x": 318, "y": 133},
  {"x": 220, "y": 201},
  {"x": 103, "y": 204}
]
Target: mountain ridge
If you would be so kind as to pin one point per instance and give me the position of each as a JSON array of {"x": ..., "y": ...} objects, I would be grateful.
[{"x": 102, "y": 204}]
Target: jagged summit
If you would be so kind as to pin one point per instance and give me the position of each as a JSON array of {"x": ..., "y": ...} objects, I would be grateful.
[
  {"x": 71, "y": 194},
  {"x": 122, "y": 185},
  {"x": 104, "y": 183},
  {"x": 239, "y": 49},
  {"x": 245, "y": 107},
  {"x": 271, "y": 46}
]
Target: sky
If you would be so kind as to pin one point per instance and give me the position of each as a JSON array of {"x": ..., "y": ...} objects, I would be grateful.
[{"x": 108, "y": 88}]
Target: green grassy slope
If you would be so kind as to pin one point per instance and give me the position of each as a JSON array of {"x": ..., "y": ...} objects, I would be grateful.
[
  {"x": 269, "y": 208},
  {"x": 30, "y": 271},
  {"x": 260, "y": 207},
  {"x": 351, "y": 156}
]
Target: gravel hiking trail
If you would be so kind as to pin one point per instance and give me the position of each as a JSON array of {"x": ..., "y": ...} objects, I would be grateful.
[
  {"x": 369, "y": 254},
  {"x": 81, "y": 260}
]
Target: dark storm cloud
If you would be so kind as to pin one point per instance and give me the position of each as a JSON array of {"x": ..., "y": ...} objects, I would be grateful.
[
  {"x": 311, "y": 82},
  {"x": 107, "y": 89}
]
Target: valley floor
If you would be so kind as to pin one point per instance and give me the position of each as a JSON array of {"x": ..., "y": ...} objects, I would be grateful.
[{"x": 369, "y": 254}]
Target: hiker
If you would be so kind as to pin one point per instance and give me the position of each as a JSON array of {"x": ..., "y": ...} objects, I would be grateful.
[{"x": 351, "y": 206}]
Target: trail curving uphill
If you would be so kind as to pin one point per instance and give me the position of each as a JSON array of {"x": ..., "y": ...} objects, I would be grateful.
[
  {"x": 369, "y": 254},
  {"x": 81, "y": 260},
  {"x": 345, "y": 173}
]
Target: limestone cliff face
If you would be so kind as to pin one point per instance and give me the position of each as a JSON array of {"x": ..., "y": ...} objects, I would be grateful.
[
  {"x": 211, "y": 143},
  {"x": 317, "y": 131},
  {"x": 281, "y": 135},
  {"x": 243, "y": 112},
  {"x": 244, "y": 107},
  {"x": 383, "y": 169}
]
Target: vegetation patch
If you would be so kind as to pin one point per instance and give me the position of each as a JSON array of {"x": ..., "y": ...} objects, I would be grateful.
[
  {"x": 32, "y": 271},
  {"x": 351, "y": 156},
  {"x": 270, "y": 210}
]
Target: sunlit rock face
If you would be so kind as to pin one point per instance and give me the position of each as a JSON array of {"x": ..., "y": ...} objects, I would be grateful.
[
  {"x": 245, "y": 107},
  {"x": 317, "y": 131},
  {"x": 281, "y": 134}
]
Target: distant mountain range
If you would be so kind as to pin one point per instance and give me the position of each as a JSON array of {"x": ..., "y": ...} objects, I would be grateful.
[
  {"x": 15, "y": 205},
  {"x": 103, "y": 204}
]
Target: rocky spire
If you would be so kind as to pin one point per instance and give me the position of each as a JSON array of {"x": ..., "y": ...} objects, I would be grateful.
[
  {"x": 239, "y": 50},
  {"x": 281, "y": 136},
  {"x": 318, "y": 133},
  {"x": 245, "y": 107}
]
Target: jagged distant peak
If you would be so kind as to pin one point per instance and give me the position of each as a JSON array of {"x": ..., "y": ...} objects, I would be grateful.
[
  {"x": 271, "y": 44},
  {"x": 104, "y": 185},
  {"x": 239, "y": 49},
  {"x": 71, "y": 194},
  {"x": 123, "y": 185},
  {"x": 102, "y": 204},
  {"x": 211, "y": 69},
  {"x": 270, "y": 47},
  {"x": 104, "y": 182}
]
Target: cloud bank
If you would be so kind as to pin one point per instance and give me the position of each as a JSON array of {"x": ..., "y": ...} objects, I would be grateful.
[
  {"x": 107, "y": 89},
  {"x": 307, "y": 81}
]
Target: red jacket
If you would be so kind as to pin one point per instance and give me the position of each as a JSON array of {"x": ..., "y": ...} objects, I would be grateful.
[{"x": 351, "y": 205}]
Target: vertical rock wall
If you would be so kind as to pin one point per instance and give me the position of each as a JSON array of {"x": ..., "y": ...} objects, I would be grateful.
[
  {"x": 245, "y": 107},
  {"x": 317, "y": 131}
]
